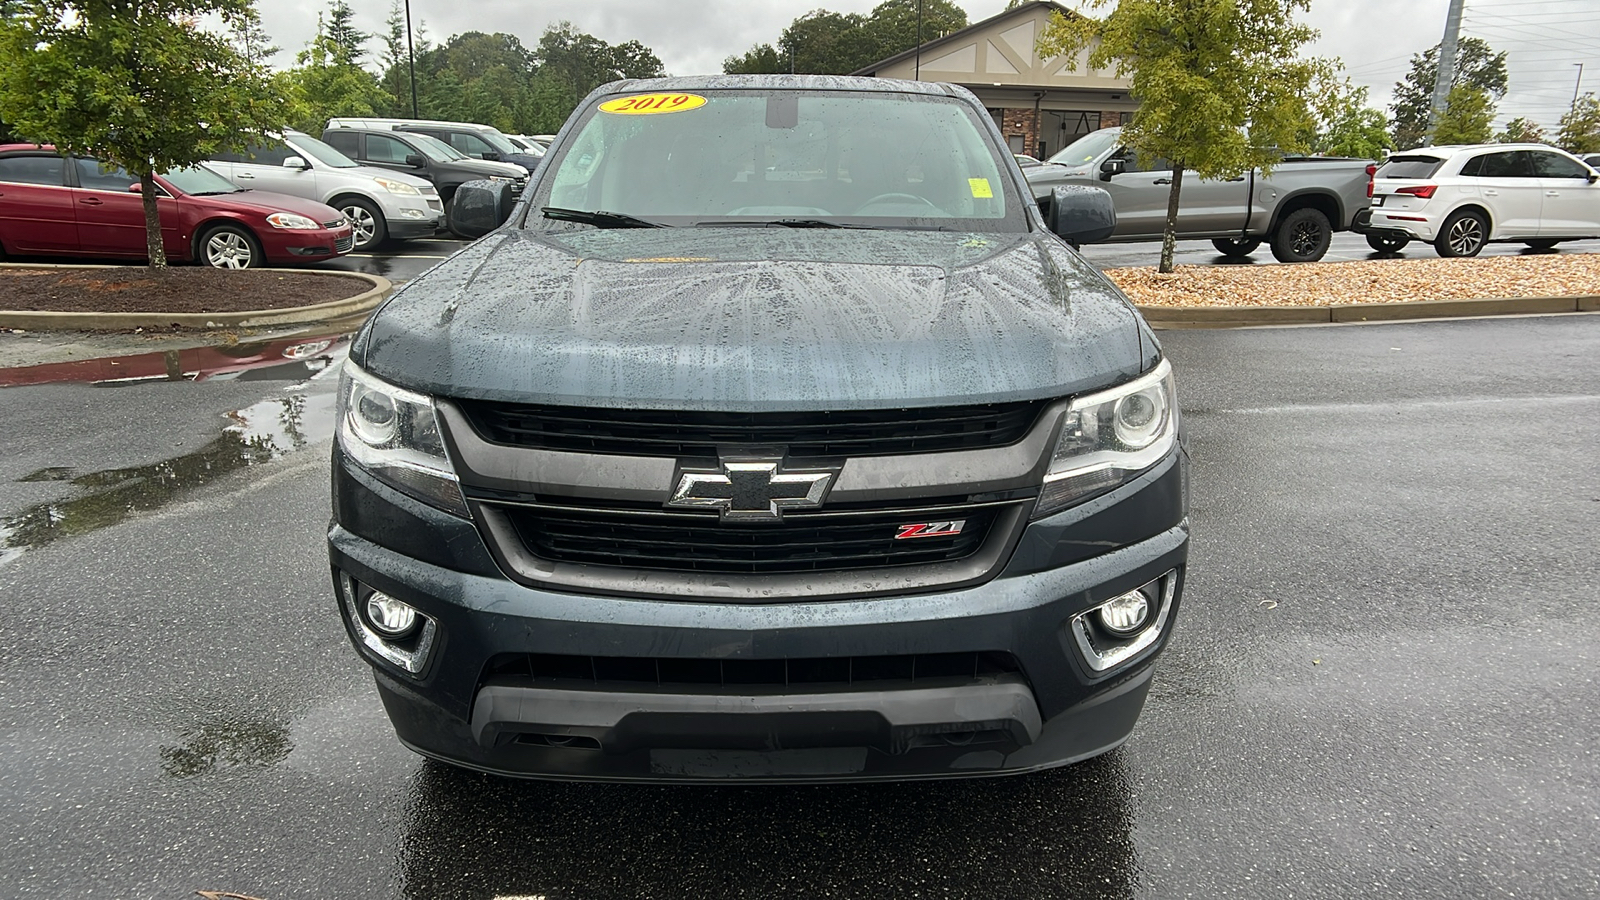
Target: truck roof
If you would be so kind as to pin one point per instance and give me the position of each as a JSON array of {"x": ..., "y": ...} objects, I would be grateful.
[{"x": 784, "y": 82}]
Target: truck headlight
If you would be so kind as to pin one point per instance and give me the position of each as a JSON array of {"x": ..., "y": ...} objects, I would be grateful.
[
  {"x": 394, "y": 434},
  {"x": 1109, "y": 437}
]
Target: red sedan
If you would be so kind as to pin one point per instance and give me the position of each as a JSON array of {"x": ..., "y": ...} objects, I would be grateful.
[{"x": 70, "y": 205}]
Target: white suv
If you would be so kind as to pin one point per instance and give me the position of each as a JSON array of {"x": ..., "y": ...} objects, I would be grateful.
[{"x": 1460, "y": 198}]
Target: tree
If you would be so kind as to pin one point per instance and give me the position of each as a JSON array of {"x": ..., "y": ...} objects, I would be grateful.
[
  {"x": 326, "y": 83},
  {"x": 892, "y": 27},
  {"x": 1476, "y": 64},
  {"x": 251, "y": 40},
  {"x": 581, "y": 62},
  {"x": 1346, "y": 125},
  {"x": 1520, "y": 131},
  {"x": 1466, "y": 116},
  {"x": 1580, "y": 127},
  {"x": 1221, "y": 84},
  {"x": 828, "y": 43},
  {"x": 135, "y": 84},
  {"x": 761, "y": 59},
  {"x": 346, "y": 42}
]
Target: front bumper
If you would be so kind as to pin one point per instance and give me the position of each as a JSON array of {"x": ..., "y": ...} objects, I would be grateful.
[
  {"x": 289, "y": 246},
  {"x": 414, "y": 229},
  {"x": 1056, "y": 710}
]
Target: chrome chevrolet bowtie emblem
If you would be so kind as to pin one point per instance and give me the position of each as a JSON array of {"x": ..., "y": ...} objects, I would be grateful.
[{"x": 751, "y": 491}]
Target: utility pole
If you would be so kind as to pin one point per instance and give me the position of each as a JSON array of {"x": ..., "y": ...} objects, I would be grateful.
[
  {"x": 411, "y": 62},
  {"x": 918, "y": 76},
  {"x": 1577, "y": 87},
  {"x": 1447, "y": 68}
]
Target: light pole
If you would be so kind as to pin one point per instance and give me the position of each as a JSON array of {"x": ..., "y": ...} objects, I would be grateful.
[
  {"x": 918, "y": 76},
  {"x": 411, "y": 62},
  {"x": 1577, "y": 87}
]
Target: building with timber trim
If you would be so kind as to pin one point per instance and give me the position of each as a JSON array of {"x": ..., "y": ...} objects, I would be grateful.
[{"x": 1041, "y": 105}]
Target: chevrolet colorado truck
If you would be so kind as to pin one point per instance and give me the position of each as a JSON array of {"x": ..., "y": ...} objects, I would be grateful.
[
  {"x": 1295, "y": 210},
  {"x": 777, "y": 435}
]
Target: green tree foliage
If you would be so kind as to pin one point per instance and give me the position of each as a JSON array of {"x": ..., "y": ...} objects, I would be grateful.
[
  {"x": 1580, "y": 127},
  {"x": 1346, "y": 125},
  {"x": 1222, "y": 86},
  {"x": 822, "y": 42},
  {"x": 346, "y": 43},
  {"x": 138, "y": 84},
  {"x": 250, "y": 39},
  {"x": 761, "y": 59},
  {"x": 1476, "y": 64},
  {"x": 1466, "y": 117},
  {"x": 326, "y": 82},
  {"x": 1520, "y": 131}
]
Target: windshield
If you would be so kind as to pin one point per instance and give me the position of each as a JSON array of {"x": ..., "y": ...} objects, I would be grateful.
[
  {"x": 1087, "y": 149},
  {"x": 317, "y": 150},
  {"x": 498, "y": 141},
  {"x": 198, "y": 180},
  {"x": 873, "y": 159},
  {"x": 437, "y": 150}
]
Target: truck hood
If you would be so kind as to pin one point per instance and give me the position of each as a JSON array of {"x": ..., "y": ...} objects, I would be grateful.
[{"x": 751, "y": 319}]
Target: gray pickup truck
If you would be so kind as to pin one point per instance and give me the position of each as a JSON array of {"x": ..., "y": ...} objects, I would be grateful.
[{"x": 1296, "y": 210}]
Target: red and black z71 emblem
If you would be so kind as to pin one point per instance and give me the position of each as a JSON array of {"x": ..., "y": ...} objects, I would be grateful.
[{"x": 930, "y": 529}]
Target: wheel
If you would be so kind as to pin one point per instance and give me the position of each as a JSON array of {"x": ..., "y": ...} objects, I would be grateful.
[
  {"x": 230, "y": 247},
  {"x": 1387, "y": 241},
  {"x": 1543, "y": 244},
  {"x": 366, "y": 222},
  {"x": 1302, "y": 236},
  {"x": 1236, "y": 247},
  {"x": 1463, "y": 234}
]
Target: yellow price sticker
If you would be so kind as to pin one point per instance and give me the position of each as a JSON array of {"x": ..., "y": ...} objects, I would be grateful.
[
  {"x": 652, "y": 104},
  {"x": 980, "y": 188}
]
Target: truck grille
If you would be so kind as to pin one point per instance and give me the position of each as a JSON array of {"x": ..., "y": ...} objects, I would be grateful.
[
  {"x": 697, "y": 542},
  {"x": 669, "y": 433},
  {"x": 548, "y": 668}
]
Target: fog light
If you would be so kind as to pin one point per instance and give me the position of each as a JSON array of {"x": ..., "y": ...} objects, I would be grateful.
[
  {"x": 1125, "y": 615},
  {"x": 409, "y": 213},
  {"x": 389, "y": 617}
]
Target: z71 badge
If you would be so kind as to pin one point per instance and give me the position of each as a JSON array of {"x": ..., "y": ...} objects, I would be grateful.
[{"x": 930, "y": 529}]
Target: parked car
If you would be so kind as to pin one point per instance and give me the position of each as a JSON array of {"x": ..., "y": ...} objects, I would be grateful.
[
  {"x": 1592, "y": 161},
  {"x": 423, "y": 156},
  {"x": 472, "y": 140},
  {"x": 1461, "y": 198},
  {"x": 1296, "y": 210},
  {"x": 527, "y": 145},
  {"x": 1026, "y": 161},
  {"x": 840, "y": 466},
  {"x": 380, "y": 204},
  {"x": 72, "y": 205}
]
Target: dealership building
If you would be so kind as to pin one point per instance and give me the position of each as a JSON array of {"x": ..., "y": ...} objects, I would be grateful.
[{"x": 1041, "y": 105}]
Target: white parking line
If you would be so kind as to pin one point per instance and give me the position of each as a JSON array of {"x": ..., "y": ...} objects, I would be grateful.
[{"x": 391, "y": 256}]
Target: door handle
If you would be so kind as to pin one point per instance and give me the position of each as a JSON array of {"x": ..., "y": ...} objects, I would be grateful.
[
  {"x": 1162, "y": 181},
  {"x": 1490, "y": 192},
  {"x": 1240, "y": 178},
  {"x": 91, "y": 201},
  {"x": 243, "y": 175},
  {"x": 1552, "y": 193}
]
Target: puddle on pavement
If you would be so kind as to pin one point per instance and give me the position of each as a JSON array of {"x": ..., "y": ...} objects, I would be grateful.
[
  {"x": 293, "y": 358},
  {"x": 257, "y": 434},
  {"x": 220, "y": 746}
]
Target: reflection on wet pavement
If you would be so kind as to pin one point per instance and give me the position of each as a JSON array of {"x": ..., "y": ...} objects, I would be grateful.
[
  {"x": 293, "y": 358},
  {"x": 258, "y": 434},
  {"x": 1063, "y": 833},
  {"x": 213, "y": 746}
]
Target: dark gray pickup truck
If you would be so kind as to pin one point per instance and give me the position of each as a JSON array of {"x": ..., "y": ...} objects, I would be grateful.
[
  {"x": 779, "y": 435},
  {"x": 1296, "y": 209}
]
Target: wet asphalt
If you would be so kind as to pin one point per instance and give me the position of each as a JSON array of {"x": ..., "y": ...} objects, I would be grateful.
[{"x": 1382, "y": 682}]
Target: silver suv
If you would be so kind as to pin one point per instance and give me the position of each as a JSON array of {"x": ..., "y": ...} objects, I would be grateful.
[{"x": 380, "y": 204}]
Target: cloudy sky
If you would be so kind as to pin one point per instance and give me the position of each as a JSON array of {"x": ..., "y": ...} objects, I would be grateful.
[{"x": 1374, "y": 38}]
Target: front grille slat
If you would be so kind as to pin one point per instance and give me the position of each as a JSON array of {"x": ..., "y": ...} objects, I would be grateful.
[
  {"x": 740, "y": 674},
  {"x": 670, "y": 433},
  {"x": 697, "y": 543}
]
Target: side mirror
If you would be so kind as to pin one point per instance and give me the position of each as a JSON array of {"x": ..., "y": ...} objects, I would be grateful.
[
  {"x": 1114, "y": 166},
  {"x": 491, "y": 155},
  {"x": 480, "y": 207},
  {"x": 136, "y": 188},
  {"x": 296, "y": 162},
  {"x": 1081, "y": 214},
  {"x": 414, "y": 160}
]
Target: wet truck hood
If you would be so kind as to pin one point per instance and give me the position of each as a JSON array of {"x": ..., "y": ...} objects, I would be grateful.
[{"x": 753, "y": 319}]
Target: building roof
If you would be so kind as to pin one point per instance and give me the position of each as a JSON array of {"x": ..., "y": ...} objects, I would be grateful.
[{"x": 1018, "y": 11}]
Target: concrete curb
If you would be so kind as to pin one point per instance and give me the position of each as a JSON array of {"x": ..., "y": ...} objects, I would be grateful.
[
  {"x": 1248, "y": 316},
  {"x": 252, "y": 318}
]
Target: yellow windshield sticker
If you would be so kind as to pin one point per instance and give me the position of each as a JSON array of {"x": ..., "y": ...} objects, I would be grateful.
[
  {"x": 980, "y": 187},
  {"x": 651, "y": 104}
]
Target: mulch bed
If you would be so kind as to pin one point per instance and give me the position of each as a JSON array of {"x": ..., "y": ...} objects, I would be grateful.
[{"x": 188, "y": 290}]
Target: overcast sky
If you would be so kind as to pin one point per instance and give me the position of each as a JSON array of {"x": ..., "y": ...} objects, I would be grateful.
[{"x": 1374, "y": 38}]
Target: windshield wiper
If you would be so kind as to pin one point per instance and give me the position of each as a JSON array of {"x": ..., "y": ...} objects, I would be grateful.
[
  {"x": 214, "y": 193},
  {"x": 598, "y": 218}
]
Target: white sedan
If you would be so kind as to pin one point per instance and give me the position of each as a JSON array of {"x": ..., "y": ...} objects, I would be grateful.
[{"x": 1460, "y": 198}]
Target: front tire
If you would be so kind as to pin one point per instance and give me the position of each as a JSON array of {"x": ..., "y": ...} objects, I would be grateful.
[
  {"x": 1236, "y": 247},
  {"x": 1463, "y": 235},
  {"x": 1302, "y": 236},
  {"x": 366, "y": 222},
  {"x": 230, "y": 247},
  {"x": 1388, "y": 241}
]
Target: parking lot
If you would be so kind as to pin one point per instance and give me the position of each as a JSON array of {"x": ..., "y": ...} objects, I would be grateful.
[{"x": 1381, "y": 684}]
